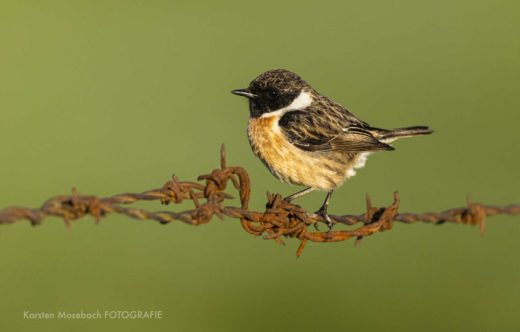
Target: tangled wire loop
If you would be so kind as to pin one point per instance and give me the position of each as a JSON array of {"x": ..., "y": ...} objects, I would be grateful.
[{"x": 280, "y": 218}]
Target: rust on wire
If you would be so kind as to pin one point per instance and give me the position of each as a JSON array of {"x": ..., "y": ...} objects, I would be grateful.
[{"x": 280, "y": 219}]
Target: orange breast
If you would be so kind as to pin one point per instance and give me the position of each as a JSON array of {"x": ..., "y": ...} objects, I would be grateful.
[{"x": 291, "y": 164}]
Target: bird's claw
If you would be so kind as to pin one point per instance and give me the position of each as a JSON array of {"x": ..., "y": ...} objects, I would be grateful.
[{"x": 326, "y": 216}]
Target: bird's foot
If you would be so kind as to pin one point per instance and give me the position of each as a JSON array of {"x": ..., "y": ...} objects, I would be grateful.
[{"x": 328, "y": 221}]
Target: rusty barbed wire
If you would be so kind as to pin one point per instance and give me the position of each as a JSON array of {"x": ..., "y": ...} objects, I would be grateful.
[{"x": 280, "y": 218}]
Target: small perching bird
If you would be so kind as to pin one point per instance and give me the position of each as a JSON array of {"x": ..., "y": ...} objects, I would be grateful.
[{"x": 307, "y": 139}]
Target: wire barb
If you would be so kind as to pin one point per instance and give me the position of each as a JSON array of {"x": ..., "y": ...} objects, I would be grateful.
[{"x": 280, "y": 218}]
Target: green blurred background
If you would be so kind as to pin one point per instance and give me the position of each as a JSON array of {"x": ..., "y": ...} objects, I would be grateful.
[{"x": 115, "y": 96}]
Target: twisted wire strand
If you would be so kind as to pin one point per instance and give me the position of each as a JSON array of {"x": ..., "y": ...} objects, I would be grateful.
[{"x": 280, "y": 218}]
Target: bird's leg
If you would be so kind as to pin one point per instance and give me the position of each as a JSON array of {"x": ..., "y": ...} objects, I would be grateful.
[
  {"x": 298, "y": 194},
  {"x": 323, "y": 210}
]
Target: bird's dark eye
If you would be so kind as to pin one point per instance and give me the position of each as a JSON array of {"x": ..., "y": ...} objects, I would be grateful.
[{"x": 272, "y": 93}]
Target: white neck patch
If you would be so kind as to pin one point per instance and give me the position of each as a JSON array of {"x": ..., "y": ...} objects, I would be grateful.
[{"x": 303, "y": 100}]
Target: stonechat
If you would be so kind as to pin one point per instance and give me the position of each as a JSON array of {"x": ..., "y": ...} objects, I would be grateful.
[{"x": 307, "y": 139}]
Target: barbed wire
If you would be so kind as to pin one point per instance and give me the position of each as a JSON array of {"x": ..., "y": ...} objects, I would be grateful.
[{"x": 280, "y": 218}]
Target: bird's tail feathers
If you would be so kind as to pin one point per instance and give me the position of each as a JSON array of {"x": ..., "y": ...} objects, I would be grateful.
[{"x": 393, "y": 134}]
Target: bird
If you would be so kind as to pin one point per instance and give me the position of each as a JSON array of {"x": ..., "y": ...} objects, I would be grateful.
[{"x": 305, "y": 138}]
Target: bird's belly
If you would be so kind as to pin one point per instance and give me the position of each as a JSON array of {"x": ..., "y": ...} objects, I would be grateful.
[{"x": 321, "y": 170}]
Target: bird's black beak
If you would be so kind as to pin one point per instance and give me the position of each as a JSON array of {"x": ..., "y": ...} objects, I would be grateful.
[{"x": 243, "y": 92}]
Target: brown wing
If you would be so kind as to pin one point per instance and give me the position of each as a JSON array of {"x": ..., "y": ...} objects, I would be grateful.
[{"x": 327, "y": 126}]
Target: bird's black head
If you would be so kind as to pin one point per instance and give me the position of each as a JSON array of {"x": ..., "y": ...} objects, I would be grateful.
[{"x": 272, "y": 91}]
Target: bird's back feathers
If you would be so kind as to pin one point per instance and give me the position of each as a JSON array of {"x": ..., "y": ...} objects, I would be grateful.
[{"x": 327, "y": 126}]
